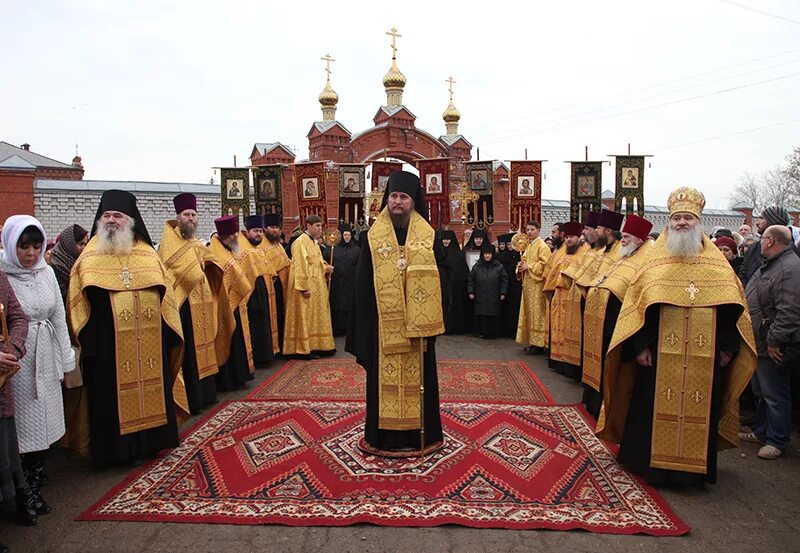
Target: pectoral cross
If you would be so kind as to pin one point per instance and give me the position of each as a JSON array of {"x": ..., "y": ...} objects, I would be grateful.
[
  {"x": 451, "y": 83},
  {"x": 126, "y": 277},
  {"x": 328, "y": 59},
  {"x": 692, "y": 290},
  {"x": 393, "y": 33},
  {"x": 464, "y": 198}
]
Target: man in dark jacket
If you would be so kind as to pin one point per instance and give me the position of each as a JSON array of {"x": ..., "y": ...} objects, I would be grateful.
[
  {"x": 773, "y": 297},
  {"x": 753, "y": 259}
]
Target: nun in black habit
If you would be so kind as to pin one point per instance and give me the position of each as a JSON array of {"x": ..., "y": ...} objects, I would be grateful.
[
  {"x": 362, "y": 335},
  {"x": 508, "y": 258},
  {"x": 345, "y": 260},
  {"x": 453, "y": 273}
]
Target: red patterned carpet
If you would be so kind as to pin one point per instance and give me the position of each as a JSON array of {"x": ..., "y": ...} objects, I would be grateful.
[
  {"x": 296, "y": 463},
  {"x": 459, "y": 380}
]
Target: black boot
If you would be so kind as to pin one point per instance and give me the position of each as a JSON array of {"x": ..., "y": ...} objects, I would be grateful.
[
  {"x": 33, "y": 468},
  {"x": 26, "y": 507}
]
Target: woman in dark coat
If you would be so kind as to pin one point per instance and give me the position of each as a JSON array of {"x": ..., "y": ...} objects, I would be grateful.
[
  {"x": 453, "y": 274},
  {"x": 343, "y": 280},
  {"x": 488, "y": 285},
  {"x": 509, "y": 258}
]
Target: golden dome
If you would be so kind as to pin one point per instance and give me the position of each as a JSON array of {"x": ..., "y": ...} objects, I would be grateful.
[
  {"x": 451, "y": 114},
  {"x": 328, "y": 96},
  {"x": 394, "y": 78}
]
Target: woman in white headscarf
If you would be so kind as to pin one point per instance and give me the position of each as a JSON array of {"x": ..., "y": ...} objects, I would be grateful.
[{"x": 37, "y": 386}]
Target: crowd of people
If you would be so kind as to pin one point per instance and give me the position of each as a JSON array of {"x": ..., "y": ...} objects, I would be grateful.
[{"x": 109, "y": 342}]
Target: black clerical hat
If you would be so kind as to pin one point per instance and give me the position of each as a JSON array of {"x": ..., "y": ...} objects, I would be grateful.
[{"x": 124, "y": 202}]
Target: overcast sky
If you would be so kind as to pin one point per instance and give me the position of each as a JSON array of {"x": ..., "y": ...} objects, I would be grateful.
[{"x": 164, "y": 91}]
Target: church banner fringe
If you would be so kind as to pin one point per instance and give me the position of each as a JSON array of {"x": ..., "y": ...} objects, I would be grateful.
[
  {"x": 629, "y": 184},
  {"x": 267, "y": 186},
  {"x": 234, "y": 185},
  {"x": 586, "y": 189},
  {"x": 351, "y": 194},
  {"x": 526, "y": 193},
  {"x": 309, "y": 182},
  {"x": 480, "y": 178},
  {"x": 434, "y": 175}
]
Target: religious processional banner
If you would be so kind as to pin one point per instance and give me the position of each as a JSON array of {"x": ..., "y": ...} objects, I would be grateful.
[
  {"x": 526, "y": 193},
  {"x": 309, "y": 181},
  {"x": 380, "y": 175},
  {"x": 434, "y": 175},
  {"x": 630, "y": 184},
  {"x": 267, "y": 187},
  {"x": 480, "y": 177},
  {"x": 235, "y": 190},
  {"x": 586, "y": 188},
  {"x": 351, "y": 194}
]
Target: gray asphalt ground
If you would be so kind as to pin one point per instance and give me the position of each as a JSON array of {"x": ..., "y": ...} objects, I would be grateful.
[{"x": 754, "y": 507}]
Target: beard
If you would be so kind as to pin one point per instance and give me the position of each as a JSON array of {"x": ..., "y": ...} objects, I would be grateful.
[
  {"x": 601, "y": 242},
  {"x": 629, "y": 250},
  {"x": 273, "y": 238},
  {"x": 254, "y": 241},
  {"x": 188, "y": 230},
  {"x": 232, "y": 247},
  {"x": 115, "y": 241},
  {"x": 558, "y": 241},
  {"x": 685, "y": 243},
  {"x": 572, "y": 249}
]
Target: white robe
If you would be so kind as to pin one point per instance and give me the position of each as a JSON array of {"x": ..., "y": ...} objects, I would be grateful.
[{"x": 39, "y": 407}]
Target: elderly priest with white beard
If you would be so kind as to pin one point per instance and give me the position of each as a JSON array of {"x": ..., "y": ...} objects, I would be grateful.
[
  {"x": 122, "y": 312},
  {"x": 685, "y": 351}
]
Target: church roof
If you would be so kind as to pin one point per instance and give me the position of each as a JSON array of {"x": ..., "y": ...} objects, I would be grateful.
[
  {"x": 16, "y": 162},
  {"x": 452, "y": 139},
  {"x": 8, "y": 151},
  {"x": 324, "y": 126},
  {"x": 497, "y": 165},
  {"x": 266, "y": 147},
  {"x": 392, "y": 110}
]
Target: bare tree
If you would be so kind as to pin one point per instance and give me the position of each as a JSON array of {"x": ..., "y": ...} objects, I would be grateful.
[{"x": 777, "y": 186}]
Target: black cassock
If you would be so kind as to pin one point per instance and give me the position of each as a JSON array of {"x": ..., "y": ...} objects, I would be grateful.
[
  {"x": 260, "y": 324},
  {"x": 362, "y": 341},
  {"x": 635, "y": 446},
  {"x": 200, "y": 393},
  {"x": 235, "y": 372},
  {"x": 458, "y": 307},
  {"x": 510, "y": 314},
  {"x": 345, "y": 261},
  {"x": 593, "y": 399},
  {"x": 98, "y": 351}
]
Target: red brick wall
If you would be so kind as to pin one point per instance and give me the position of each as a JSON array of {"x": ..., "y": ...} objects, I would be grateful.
[{"x": 16, "y": 193}]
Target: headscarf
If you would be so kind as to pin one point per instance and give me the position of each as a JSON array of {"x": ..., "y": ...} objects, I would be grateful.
[
  {"x": 454, "y": 257},
  {"x": 12, "y": 230},
  {"x": 477, "y": 233},
  {"x": 487, "y": 247},
  {"x": 65, "y": 254}
]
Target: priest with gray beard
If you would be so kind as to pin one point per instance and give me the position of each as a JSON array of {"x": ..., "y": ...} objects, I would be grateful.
[
  {"x": 681, "y": 354},
  {"x": 604, "y": 296},
  {"x": 123, "y": 315}
]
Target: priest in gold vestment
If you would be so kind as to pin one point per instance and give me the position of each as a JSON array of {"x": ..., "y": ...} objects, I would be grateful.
[
  {"x": 123, "y": 315},
  {"x": 531, "y": 327},
  {"x": 681, "y": 354},
  {"x": 604, "y": 242},
  {"x": 194, "y": 280},
  {"x": 262, "y": 310},
  {"x": 397, "y": 316},
  {"x": 308, "y": 316},
  {"x": 557, "y": 289},
  {"x": 233, "y": 346},
  {"x": 276, "y": 259},
  {"x": 604, "y": 296}
]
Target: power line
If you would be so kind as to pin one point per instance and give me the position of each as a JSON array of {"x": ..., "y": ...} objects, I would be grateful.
[
  {"x": 662, "y": 94},
  {"x": 663, "y": 104},
  {"x": 762, "y": 12},
  {"x": 727, "y": 135},
  {"x": 633, "y": 91}
]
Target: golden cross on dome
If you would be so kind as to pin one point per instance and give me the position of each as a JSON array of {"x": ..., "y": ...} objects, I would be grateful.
[
  {"x": 328, "y": 60},
  {"x": 394, "y": 34},
  {"x": 451, "y": 83}
]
